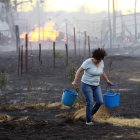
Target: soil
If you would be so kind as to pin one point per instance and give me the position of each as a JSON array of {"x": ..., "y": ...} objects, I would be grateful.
[{"x": 43, "y": 124}]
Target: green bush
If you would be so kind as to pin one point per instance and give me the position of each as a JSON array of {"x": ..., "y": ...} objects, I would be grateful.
[
  {"x": 71, "y": 71},
  {"x": 4, "y": 79},
  {"x": 58, "y": 54},
  {"x": 30, "y": 84}
]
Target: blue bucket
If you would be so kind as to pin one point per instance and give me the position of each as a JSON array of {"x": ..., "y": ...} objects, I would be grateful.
[
  {"x": 111, "y": 99},
  {"x": 68, "y": 97}
]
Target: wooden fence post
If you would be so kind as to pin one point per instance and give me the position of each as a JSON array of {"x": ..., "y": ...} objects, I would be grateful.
[
  {"x": 18, "y": 57},
  {"x": 75, "y": 44},
  {"x": 32, "y": 55},
  {"x": 17, "y": 36},
  {"x": 66, "y": 54},
  {"x": 89, "y": 45},
  {"x": 21, "y": 59},
  {"x": 39, "y": 51},
  {"x": 85, "y": 45},
  {"x": 26, "y": 49},
  {"x": 53, "y": 54}
]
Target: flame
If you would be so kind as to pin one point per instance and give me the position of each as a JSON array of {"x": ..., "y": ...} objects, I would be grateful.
[
  {"x": 64, "y": 39},
  {"x": 127, "y": 39},
  {"x": 46, "y": 33}
]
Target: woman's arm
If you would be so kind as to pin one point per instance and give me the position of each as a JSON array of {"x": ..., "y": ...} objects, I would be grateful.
[
  {"x": 106, "y": 79},
  {"x": 76, "y": 76}
]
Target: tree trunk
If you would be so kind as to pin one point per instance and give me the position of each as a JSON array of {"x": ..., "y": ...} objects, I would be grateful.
[
  {"x": 85, "y": 44},
  {"x": 10, "y": 19},
  {"x": 114, "y": 22},
  {"x": 123, "y": 33},
  {"x": 135, "y": 22},
  {"x": 109, "y": 21}
]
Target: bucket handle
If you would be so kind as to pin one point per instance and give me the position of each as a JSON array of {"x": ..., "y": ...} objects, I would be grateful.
[
  {"x": 73, "y": 88},
  {"x": 114, "y": 86}
]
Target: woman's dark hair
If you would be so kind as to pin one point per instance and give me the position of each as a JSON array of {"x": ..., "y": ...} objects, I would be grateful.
[{"x": 99, "y": 54}]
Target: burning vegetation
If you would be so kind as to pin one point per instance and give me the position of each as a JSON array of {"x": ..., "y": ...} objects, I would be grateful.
[
  {"x": 4, "y": 40},
  {"x": 46, "y": 33}
]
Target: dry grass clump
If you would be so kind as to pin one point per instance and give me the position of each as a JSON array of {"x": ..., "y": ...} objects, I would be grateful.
[
  {"x": 4, "y": 117},
  {"x": 3, "y": 106},
  {"x": 14, "y": 106},
  {"x": 24, "y": 119},
  {"x": 42, "y": 106},
  {"x": 124, "y": 122},
  {"x": 44, "y": 122},
  {"x": 135, "y": 80},
  {"x": 80, "y": 114},
  {"x": 101, "y": 114},
  {"x": 57, "y": 105},
  {"x": 77, "y": 105}
]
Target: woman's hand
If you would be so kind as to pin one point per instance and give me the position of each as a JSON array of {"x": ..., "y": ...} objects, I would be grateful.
[
  {"x": 74, "y": 83},
  {"x": 109, "y": 83}
]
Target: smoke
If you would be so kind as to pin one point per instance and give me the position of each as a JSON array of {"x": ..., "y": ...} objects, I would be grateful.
[
  {"x": 4, "y": 25},
  {"x": 91, "y": 7},
  {"x": 83, "y": 16}
]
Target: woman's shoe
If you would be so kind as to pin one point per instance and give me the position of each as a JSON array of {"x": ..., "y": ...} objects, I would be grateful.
[{"x": 89, "y": 123}]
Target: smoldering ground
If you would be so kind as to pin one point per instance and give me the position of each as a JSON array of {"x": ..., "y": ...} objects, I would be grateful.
[{"x": 27, "y": 114}]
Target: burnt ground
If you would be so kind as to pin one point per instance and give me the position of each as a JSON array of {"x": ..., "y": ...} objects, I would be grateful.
[{"x": 125, "y": 75}]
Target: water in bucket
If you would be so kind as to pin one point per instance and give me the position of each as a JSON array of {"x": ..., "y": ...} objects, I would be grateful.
[
  {"x": 68, "y": 97},
  {"x": 111, "y": 99}
]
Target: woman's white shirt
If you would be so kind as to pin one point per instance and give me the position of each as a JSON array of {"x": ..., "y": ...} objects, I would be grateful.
[{"x": 92, "y": 73}]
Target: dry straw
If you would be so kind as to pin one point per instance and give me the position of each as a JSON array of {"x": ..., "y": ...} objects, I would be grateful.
[
  {"x": 56, "y": 105},
  {"x": 102, "y": 116},
  {"x": 4, "y": 117}
]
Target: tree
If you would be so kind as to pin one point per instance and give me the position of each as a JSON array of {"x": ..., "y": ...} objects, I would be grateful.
[
  {"x": 135, "y": 22},
  {"x": 9, "y": 18}
]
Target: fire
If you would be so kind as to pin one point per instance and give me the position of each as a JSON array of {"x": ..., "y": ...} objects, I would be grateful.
[
  {"x": 127, "y": 39},
  {"x": 64, "y": 39},
  {"x": 46, "y": 33}
]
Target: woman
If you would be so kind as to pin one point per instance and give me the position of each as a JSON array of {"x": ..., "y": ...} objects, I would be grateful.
[{"x": 93, "y": 68}]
